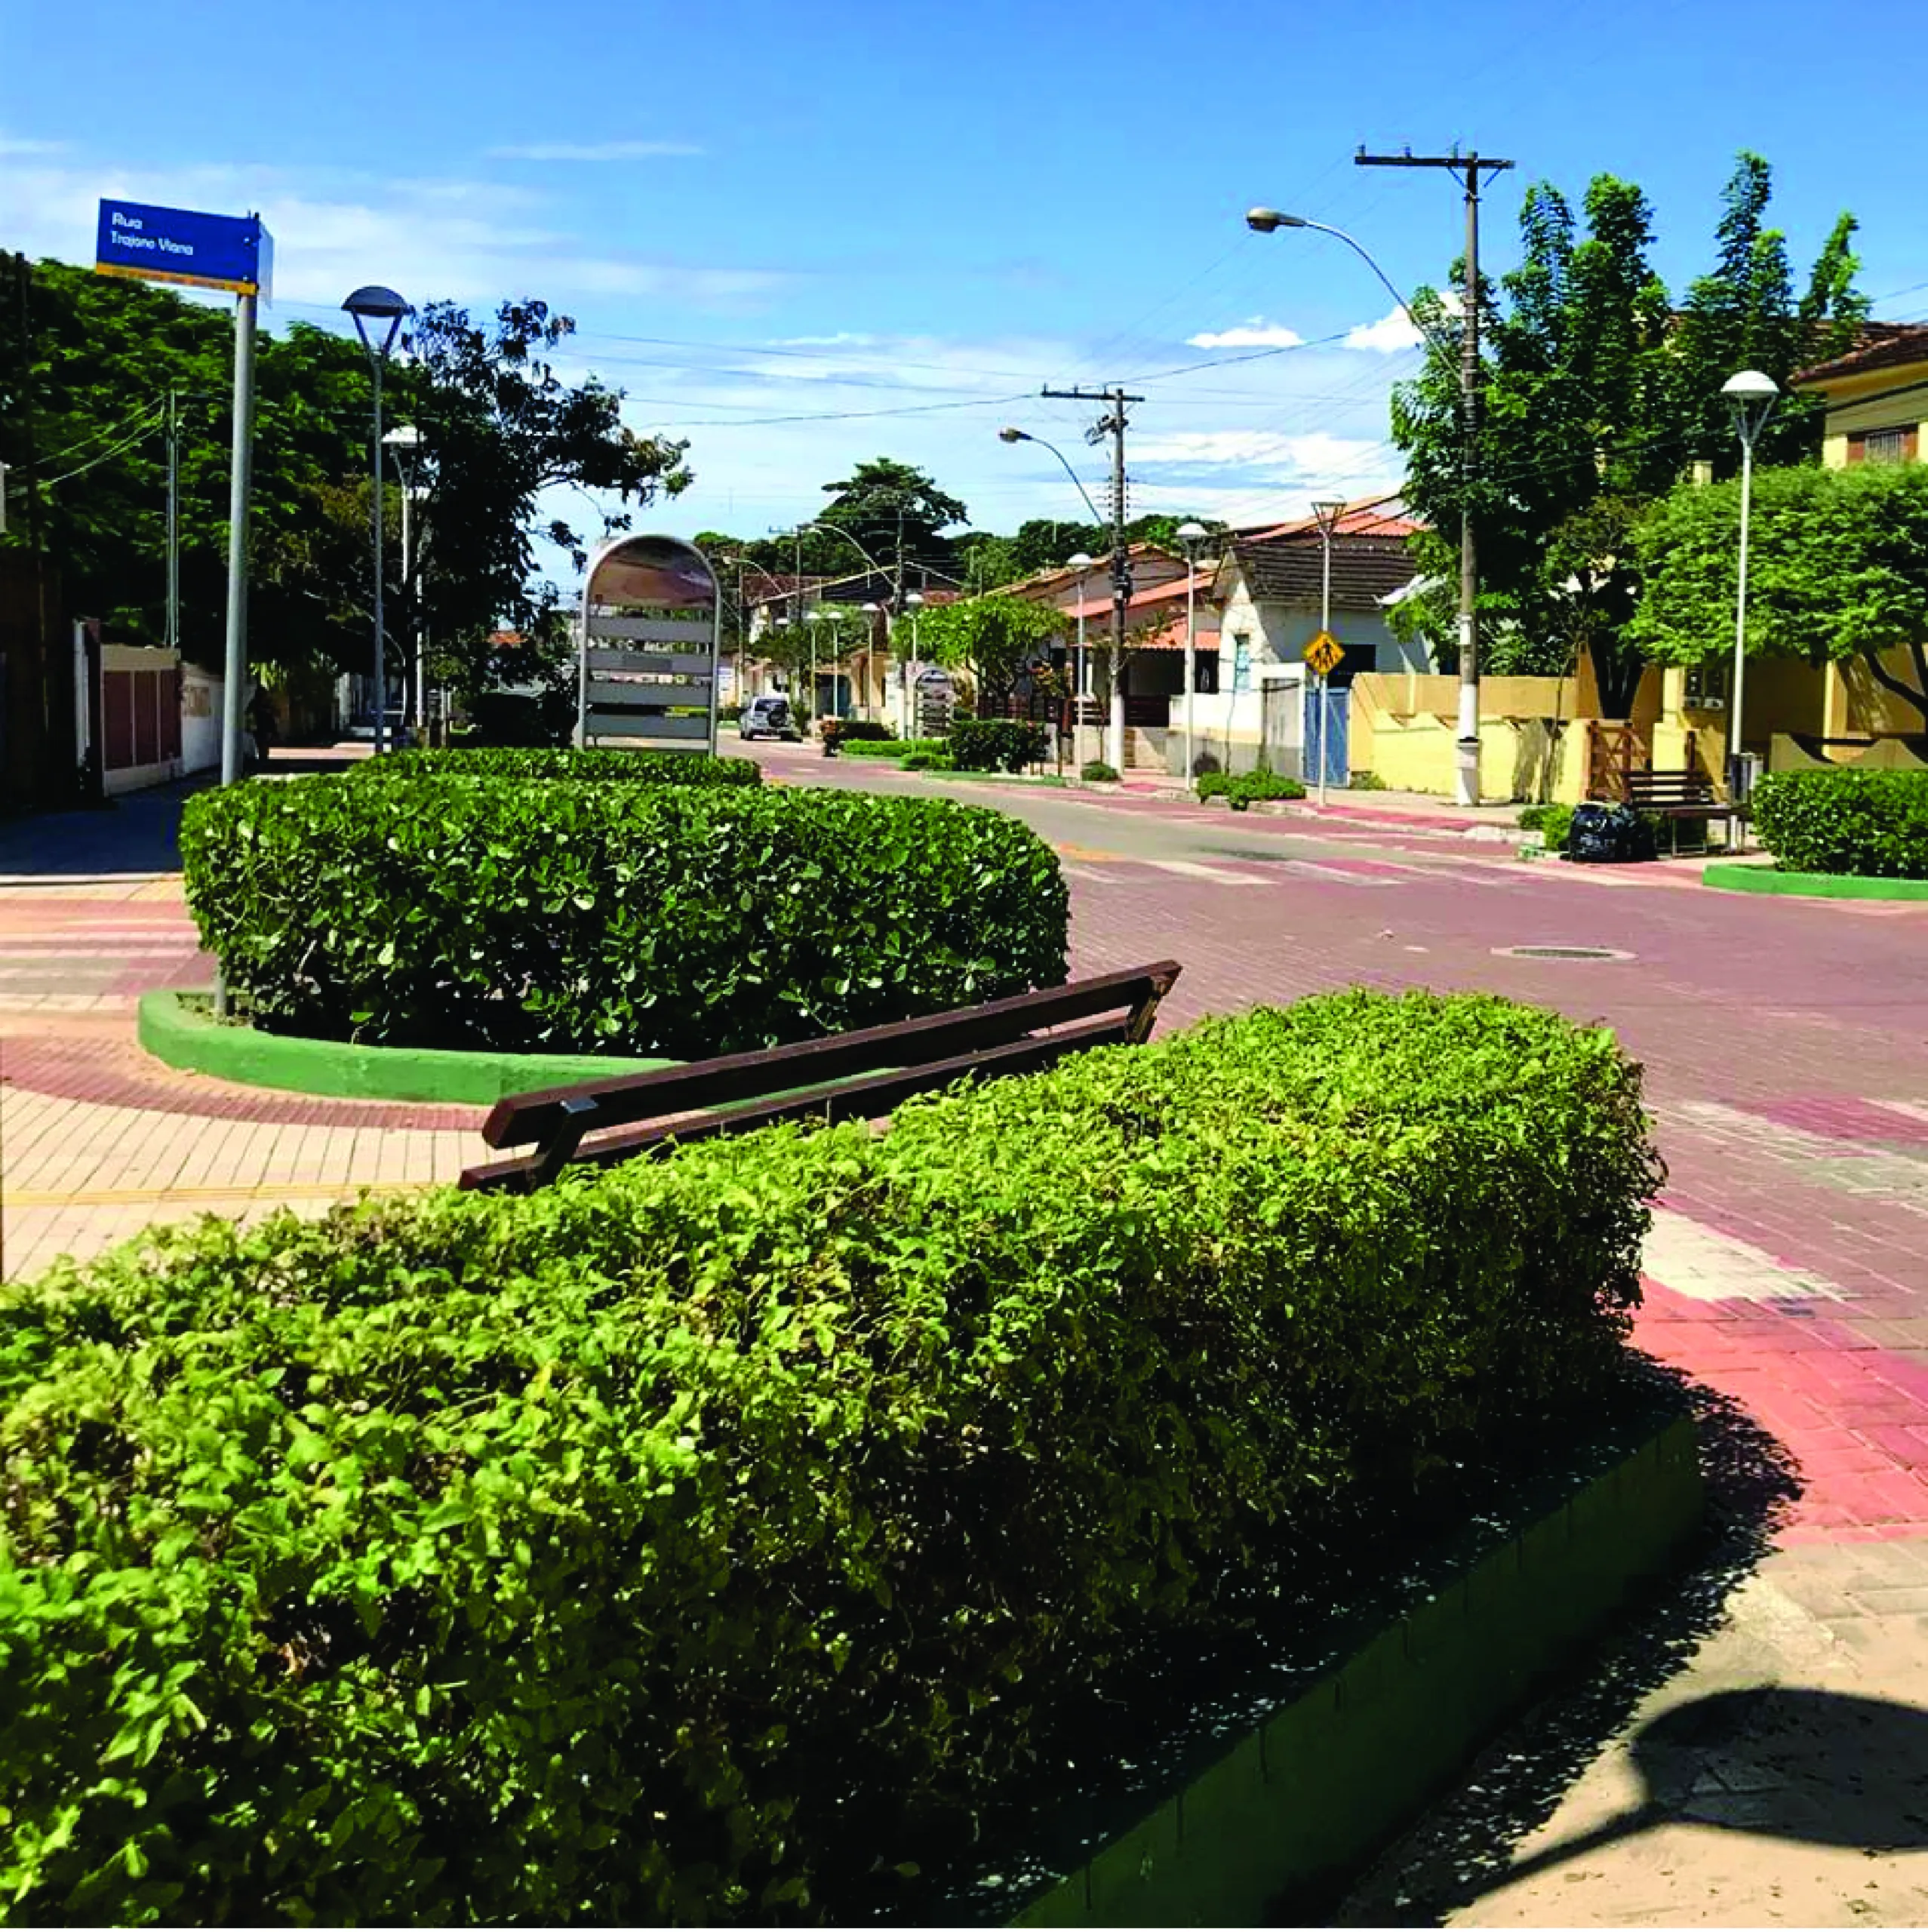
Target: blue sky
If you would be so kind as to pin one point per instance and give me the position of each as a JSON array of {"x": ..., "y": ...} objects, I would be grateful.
[{"x": 757, "y": 212}]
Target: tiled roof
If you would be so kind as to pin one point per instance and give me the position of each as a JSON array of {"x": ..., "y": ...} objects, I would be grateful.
[
  {"x": 1289, "y": 569},
  {"x": 1883, "y": 346},
  {"x": 1172, "y": 637},
  {"x": 1372, "y": 516},
  {"x": 1171, "y": 592}
]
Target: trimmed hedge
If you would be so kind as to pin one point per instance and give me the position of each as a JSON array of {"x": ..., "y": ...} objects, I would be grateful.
[
  {"x": 857, "y": 730},
  {"x": 593, "y": 766},
  {"x": 1868, "y": 824},
  {"x": 438, "y": 911},
  {"x": 892, "y": 747},
  {"x": 996, "y": 744},
  {"x": 687, "y": 1542},
  {"x": 1242, "y": 788}
]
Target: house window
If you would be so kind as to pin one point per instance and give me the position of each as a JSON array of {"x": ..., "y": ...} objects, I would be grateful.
[
  {"x": 1707, "y": 684},
  {"x": 1894, "y": 445},
  {"x": 1205, "y": 673}
]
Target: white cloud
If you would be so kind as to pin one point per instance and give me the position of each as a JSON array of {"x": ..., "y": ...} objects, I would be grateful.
[
  {"x": 463, "y": 241},
  {"x": 1255, "y": 333},
  {"x": 593, "y": 151},
  {"x": 1394, "y": 331},
  {"x": 12, "y": 145}
]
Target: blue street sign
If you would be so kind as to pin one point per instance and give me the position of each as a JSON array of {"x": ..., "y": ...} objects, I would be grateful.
[{"x": 228, "y": 251}]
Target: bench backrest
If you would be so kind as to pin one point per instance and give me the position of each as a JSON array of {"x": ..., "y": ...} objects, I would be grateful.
[
  {"x": 859, "y": 1075},
  {"x": 1669, "y": 788}
]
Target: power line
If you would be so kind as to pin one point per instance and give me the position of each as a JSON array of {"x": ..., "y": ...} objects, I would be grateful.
[{"x": 146, "y": 429}]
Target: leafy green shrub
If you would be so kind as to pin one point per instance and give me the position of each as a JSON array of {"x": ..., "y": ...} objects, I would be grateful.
[
  {"x": 456, "y": 911},
  {"x": 1870, "y": 824},
  {"x": 1552, "y": 822},
  {"x": 863, "y": 730},
  {"x": 597, "y": 766},
  {"x": 996, "y": 744},
  {"x": 926, "y": 760},
  {"x": 894, "y": 747},
  {"x": 1241, "y": 789},
  {"x": 1365, "y": 781},
  {"x": 1097, "y": 772},
  {"x": 674, "y": 1544}
]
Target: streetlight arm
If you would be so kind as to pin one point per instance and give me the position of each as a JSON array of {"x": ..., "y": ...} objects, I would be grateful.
[
  {"x": 1272, "y": 219},
  {"x": 1025, "y": 436},
  {"x": 837, "y": 530}
]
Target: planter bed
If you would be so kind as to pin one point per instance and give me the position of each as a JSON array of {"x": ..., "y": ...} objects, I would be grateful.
[
  {"x": 1244, "y": 1781},
  {"x": 1811, "y": 885},
  {"x": 180, "y": 1028}
]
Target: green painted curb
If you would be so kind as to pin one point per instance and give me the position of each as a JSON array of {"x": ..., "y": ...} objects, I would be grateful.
[
  {"x": 1811, "y": 885},
  {"x": 1301, "y": 1803},
  {"x": 176, "y": 1028}
]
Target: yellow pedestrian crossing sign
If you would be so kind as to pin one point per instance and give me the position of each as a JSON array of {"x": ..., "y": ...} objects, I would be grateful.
[{"x": 1324, "y": 653}]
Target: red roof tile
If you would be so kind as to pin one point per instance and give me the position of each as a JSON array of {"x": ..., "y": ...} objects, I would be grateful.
[{"x": 1883, "y": 346}]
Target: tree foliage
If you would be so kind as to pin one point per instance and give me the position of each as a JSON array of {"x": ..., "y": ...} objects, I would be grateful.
[
  {"x": 1595, "y": 394},
  {"x": 1837, "y": 568},
  {"x": 498, "y": 427},
  {"x": 992, "y": 636}
]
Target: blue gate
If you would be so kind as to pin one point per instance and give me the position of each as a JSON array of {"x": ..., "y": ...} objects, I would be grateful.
[{"x": 1327, "y": 709}]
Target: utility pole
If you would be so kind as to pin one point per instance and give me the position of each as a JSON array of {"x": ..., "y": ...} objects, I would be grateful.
[
  {"x": 173, "y": 522},
  {"x": 1113, "y": 423},
  {"x": 1468, "y": 169}
]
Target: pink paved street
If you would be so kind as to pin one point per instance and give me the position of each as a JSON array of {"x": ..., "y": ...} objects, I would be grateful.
[{"x": 1786, "y": 1049}]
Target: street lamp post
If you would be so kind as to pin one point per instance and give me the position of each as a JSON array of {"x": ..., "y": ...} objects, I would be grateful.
[
  {"x": 376, "y": 305},
  {"x": 1266, "y": 221},
  {"x": 1081, "y": 676},
  {"x": 405, "y": 440},
  {"x": 1328, "y": 514},
  {"x": 1115, "y": 732},
  {"x": 1751, "y": 397},
  {"x": 913, "y": 603},
  {"x": 1191, "y": 535}
]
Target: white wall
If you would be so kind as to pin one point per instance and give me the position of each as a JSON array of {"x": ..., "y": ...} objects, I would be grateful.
[{"x": 201, "y": 719}]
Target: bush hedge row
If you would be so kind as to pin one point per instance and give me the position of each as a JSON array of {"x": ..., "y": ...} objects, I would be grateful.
[
  {"x": 593, "y": 766},
  {"x": 683, "y": 1541},
  {"x": 996, "y": 744},
  {"x": 429, "y": 910},
  {"x": 893, "y": 747},
  {"x": 1871, "y": 824},
  {"x": 1242, "y": 788},
  {"x": 855, "y": 731}
]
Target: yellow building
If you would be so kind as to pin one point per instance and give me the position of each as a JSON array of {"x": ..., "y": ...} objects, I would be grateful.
[{"x": 1544, "y": 738}]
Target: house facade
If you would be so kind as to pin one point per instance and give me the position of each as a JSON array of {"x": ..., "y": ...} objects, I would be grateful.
[{"x": 1263, "y": 705}]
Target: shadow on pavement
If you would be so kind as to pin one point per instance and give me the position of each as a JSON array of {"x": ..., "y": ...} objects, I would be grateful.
[
  {"x": 1463, "y": 1848},
  {"x": 135, "y": 835},
  {"x": 1818, "y": 1766}
]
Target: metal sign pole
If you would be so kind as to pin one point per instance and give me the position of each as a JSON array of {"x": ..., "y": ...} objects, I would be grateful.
[{"x": 235, "y": 665}]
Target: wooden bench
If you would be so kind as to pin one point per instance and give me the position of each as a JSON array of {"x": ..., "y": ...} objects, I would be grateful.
[
  {"x": 1675, "y": 795},
  {"x": 849, "y": 1076}
]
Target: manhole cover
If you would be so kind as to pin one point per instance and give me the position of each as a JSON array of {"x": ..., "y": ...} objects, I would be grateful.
[{"x": 1560, "y": 952}]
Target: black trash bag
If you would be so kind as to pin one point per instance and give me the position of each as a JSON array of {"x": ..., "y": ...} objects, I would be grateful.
[{"x": 1608, "y": 834}]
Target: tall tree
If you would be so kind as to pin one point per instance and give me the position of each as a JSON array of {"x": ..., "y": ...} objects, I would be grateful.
[
  {"x": 1595, "y": 395},
  {"x": 897, "y": 513},
  {"x": 498, "y": 427}
]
